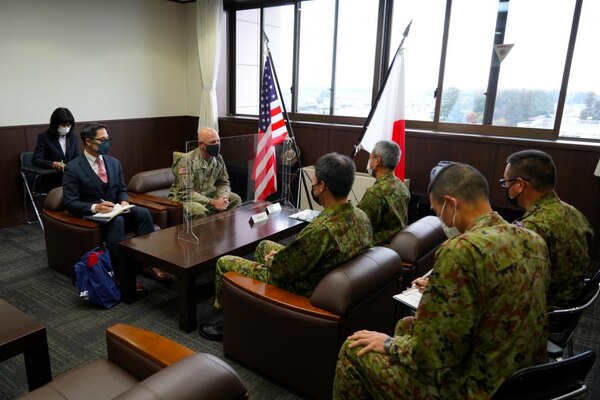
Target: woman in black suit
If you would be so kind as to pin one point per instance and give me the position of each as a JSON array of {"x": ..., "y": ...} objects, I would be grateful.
[{"x": 56, "y": 146}]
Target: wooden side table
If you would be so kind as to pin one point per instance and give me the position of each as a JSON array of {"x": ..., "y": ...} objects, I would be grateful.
[{"x": 19, "y": 333}]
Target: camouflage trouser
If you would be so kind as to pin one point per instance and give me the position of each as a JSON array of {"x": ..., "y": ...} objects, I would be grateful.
[
  {"x": 254, "y": 269},
  {"x": 375, "y": 376},
  {"x": 199, "y": 210}
]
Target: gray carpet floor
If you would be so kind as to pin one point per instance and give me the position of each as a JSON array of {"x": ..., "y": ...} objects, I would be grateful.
[{"x": 76, "y": 329}]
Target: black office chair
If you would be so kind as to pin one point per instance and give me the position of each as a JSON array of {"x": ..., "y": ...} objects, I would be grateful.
[
  {"x": 563, "y": 322},
  {"x": 562, "y": 379},
  {"x": 32, "y": 177}
]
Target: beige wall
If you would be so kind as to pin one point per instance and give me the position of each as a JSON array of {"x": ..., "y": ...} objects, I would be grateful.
[{"x": 109, "y": 59}]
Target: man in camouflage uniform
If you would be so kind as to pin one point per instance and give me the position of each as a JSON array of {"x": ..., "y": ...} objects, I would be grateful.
[
  {"x": 481, "y": 318},
  {"x": 386, "y": 202},
  {"x": 529, "y": 180},
  {"x": 338, "y": 234},
  {"x": 211, "y": 192}
]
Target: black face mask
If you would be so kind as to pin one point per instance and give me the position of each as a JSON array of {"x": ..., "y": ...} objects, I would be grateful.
[
  {"x": 513, "y": 200},
  {"x": 213, "y": 149},
  {"x": 315, "y": 198}
]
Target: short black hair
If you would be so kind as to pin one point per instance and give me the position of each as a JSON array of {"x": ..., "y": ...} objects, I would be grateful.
[
  {"x": 61, "y": 116},
  {"x": 89, "y": 131},
  {"x": 337, "y": 171},
  {"x": 535, "y": 166},
  {"x": 461, "y": 181}
]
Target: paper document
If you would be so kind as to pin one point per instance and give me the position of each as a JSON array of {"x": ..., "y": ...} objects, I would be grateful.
[
  {"x": 117, "y": 209},
  {"x": 306, "y": 215},
  {"x": 411, "y": 297}
]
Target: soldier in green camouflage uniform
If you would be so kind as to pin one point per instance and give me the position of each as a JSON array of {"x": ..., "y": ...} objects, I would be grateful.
[
  {"x": 338, "y": 234},
  {"x": 211, "y": 192},
  {"x": 386, "y": 202},
  {"x": 529, "y": 178},
  {"x": 482, "y": 315}
]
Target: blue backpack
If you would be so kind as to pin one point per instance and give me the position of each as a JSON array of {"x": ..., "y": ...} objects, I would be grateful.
[{"x": 95, "y": 278}]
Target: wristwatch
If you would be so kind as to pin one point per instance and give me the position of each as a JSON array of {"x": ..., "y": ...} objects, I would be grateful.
[{"x": 387, "y": 344}]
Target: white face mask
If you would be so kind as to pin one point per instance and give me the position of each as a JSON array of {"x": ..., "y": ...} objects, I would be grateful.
[
  {"x": 449, "y": 231},
  {"x": 369, "y": 170},
  {"x": 63, "y": 130}
]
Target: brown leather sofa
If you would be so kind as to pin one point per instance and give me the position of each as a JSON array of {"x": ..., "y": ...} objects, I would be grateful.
[
  {"x": 416, "y": 244},
  {"x": 144, "y": 365},
  {"x": 154, "y": 186},
  {"x": 68, "y": 237},
  {"x": 295, "y": 340}
]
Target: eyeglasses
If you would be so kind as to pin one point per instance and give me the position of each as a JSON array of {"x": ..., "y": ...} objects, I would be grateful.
[
  {"x": 505, "y": 182},
  {"x": 103, "y": 140}
]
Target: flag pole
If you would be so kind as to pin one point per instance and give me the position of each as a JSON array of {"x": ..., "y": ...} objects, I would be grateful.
[
  {"x": 356, "y": 147},
  {"x": 288, "y": 124}
]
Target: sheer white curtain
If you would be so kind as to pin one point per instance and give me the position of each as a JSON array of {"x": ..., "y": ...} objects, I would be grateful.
[{"x": 209, "y": 14}]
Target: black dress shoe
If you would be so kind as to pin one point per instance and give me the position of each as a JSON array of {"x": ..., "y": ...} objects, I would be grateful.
[
  {"x": 212, "y": 331},
  {"x": 157, "y": 274}
]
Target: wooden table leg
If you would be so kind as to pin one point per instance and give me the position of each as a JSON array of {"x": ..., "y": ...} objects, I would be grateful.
[
  {"x": 187, "y": 303},
  {"x": 127, "y": 269},
  {"x": 37, "y": 363}
]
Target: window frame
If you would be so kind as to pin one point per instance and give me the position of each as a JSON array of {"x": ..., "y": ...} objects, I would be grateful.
[{"x": 382, "y": 50}]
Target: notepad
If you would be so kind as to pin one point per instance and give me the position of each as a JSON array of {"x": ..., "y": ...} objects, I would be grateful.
[
  {"x": 117, "y": 209},
  {"x": 306, "y": 215},
  {"x": 411, "y": 297}
]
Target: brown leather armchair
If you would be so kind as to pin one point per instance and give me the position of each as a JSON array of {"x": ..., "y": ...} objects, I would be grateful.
[
  {"x": 145, "y": 365},
  {"x": 416, "y": 244},
  {"x": 68, "y": 237},
  {"x": 295, "y": 340},
  {"x": 154, "y": 186}
]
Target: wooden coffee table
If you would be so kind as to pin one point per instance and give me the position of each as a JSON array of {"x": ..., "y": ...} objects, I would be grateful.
[
  {"x": 225, "y": 233},
  {"x": 19, "y": 333}
]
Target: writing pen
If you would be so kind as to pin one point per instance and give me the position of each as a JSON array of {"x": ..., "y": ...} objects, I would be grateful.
[
  {"x": 416, "y": 286},
  {"x": 104, "y": 201}
]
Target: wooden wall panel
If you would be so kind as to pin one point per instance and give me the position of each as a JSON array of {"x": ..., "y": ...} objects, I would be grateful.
[
  {"x": 140, "y": 144},
  {"x": 423, "y": 153},
  {"x": 11, "y": 196},
  {"x": 172, "y": 133}
]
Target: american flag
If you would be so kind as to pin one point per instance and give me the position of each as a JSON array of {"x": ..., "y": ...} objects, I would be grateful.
[{"x": 271, "y": 132}]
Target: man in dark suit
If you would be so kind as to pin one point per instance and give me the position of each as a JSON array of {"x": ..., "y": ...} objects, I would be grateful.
[
  {"x": 56, "y": 146},
  {"x": 93, "y": 183}
]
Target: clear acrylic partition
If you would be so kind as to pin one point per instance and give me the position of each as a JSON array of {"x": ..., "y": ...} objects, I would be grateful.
[
  {"x": 239, "y": 154},
  {"x": 187, "y": 232}
]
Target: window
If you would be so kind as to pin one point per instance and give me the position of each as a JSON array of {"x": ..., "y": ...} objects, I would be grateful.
[
  {"x": 531, "y": 74},
  {"x": 316, "y": 53},
  {"x": 519, "y": 67},
  {"x": 279, "y": 27},
  {"x": 467, "y": 64},
  {"x": 581, "y": 115},
  {"x": 355, "y": 57},
  {"x": 247, "y": 68},
  {"x": 422, "y": 58},
  {"x": 336, "y": 57}
]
